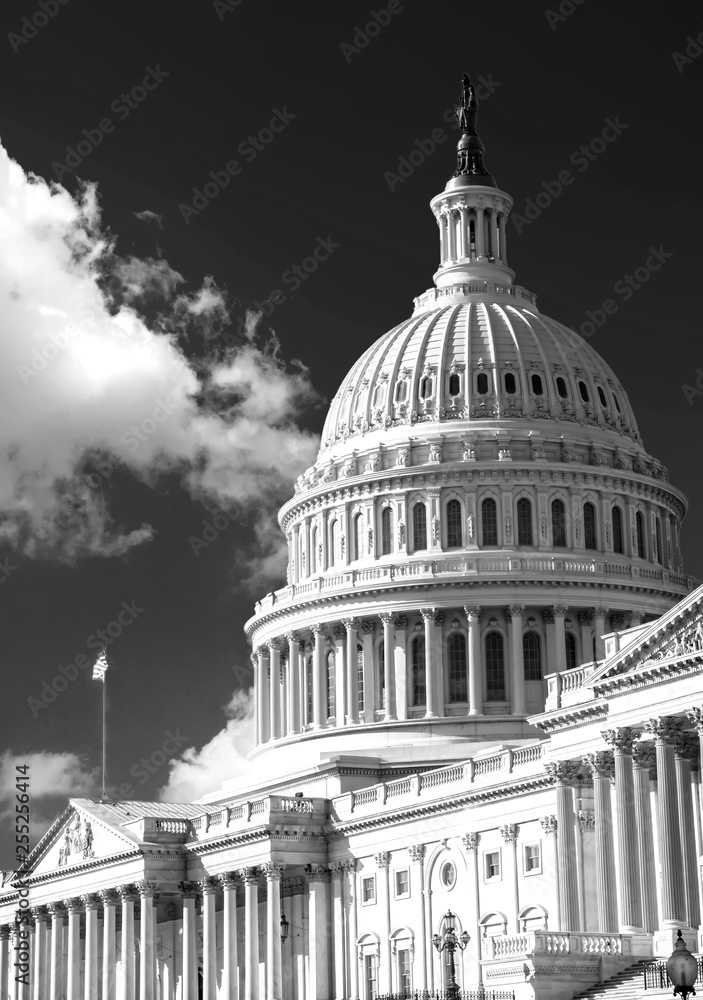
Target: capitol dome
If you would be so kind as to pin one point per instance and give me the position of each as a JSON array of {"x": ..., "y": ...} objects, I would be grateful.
[{"x": 481, "y": 512}]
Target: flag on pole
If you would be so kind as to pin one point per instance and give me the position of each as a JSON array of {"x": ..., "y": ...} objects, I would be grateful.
[{"x": 100, "y": 666}]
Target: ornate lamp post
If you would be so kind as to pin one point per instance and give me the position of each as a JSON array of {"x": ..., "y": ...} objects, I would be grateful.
[
  {"x": 682, "y": 968},
  {"x": 449, "y": 941}
]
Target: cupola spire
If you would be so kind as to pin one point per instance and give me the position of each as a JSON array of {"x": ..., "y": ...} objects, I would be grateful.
[{"x": 470, "y": 149}]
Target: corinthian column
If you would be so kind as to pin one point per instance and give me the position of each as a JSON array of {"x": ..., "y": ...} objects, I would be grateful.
[
  {"x": 388, "y": 664},
  {"x": 147, "y": 951},
  {"x": 56, "y": 990},
  {"x": 4, "y": 961},
  {"x": 430, "y": 682},
  {"x": 262, "y": 696},
  {"x": 621, "y": 741},
  {"x": 189, "y": 893},
  {"x": 275, "y": 689},
  {"x": 685, "y": 749},
  {"x": 517, "y": 667},
  {"x": 91, "y": 901},
  {"x": 274, "y": 983},
  {"x": 39, "y": 986},
  {"x": 473, "y": 615},
  {"x": 250, "y": 877},
  {"x": 208, "y": 887},
  {"x": 601, "y": 766},
  {"x": 127, "y": 983},
  {"x": 565, "y": 774},
  {"x": 318, "y": 931},
  {"x": 352, "y": 676},
  {"x": 319, "y": 680},
  {"x": 642, "y": 761},
  {"x": 230, "y": 983},
  {"x": 73, "y": 955},
  {"x": 294, "y": 698},
  {"x": 109, "y": 900}
]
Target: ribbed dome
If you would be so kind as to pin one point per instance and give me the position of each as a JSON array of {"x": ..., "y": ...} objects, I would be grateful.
[{"x": 487, "y": 357}]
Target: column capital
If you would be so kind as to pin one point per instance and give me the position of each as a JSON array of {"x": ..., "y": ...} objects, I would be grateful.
[
  {"x": 686, "y": 745},
  {"x": 5, "y": 932},
  {"x": 644, "y": 755},
  {"x": 293, "y": 636},
  {"x": 189, "y": 890},
  {"x": 563, "y": 772},
  {"x": 146, "y": 887},
  {"x": 229, "y": 880},
  {"x": 337, "y": 869},
  {"x": 514, "y": 611},
  {"x": 339, "y": 631},
  {"x": 400, "y": 621},
  {"x": 349, "y": 624},
  {"x": 275, "y": 645},
  {"x": 317, "y": 873},
  {"x": 386, "y": 618},
  {"x": 56, "y": 909},
  {"x": 620, "y": 740},
  {"x": 40, "y": 913},
  {"x": 254, "y": 656},
  {"x": 617, "y": 621},
  {"x": 73, "y": 904},
  {"x": 273, "y": 870},
  {"x": 663, "y": 730},
  {"x": 128, "y": 892},
  {"x": 548, "y": 616},
  {"x": 559, "y": 610},
  {"x": 91, "y": 901},
  {"x": 509, "y": 832},
  {"x": 601, "y": 612},
  {"x": 427, "y": 614},
  {"x": 586, "y": 617},
  {"x": 601, "y": 763},
  {"x": 350, "y": 867},
  {"x": 368, "y": 626},
  {"x": 318, "y": 629},
  {"x": 109, "y": 897},
  {"x": 695, "y": 717},
  {"x": 586, "y": 819},
  {"x": 209, "y": 885},
  {"x": 549, "y": 825},
  {"x": 382, "y": 859},
  {"x": 416, "y": 852},
  {"x": 250, "y": 876},
  {"x": 471, "y": 842},
  {"x": 473, "y": 611}
]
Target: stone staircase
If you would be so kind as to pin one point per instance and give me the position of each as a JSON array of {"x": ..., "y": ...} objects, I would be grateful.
[{"x": 626, "y": 985}]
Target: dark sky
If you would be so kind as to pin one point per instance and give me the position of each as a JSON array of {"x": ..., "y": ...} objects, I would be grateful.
[{"x": 548, "y": 85}]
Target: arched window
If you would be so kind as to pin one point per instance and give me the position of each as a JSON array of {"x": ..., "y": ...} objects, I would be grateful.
[
  {"x": 334, "y": 542},
  {"x": 401, "y": 391},
  {"x": 658, "y": 530},
  {"x": 426, "y": 386},
  {"x": 313, "y": 551},
  {"x": 617, "y": 531},
  {"x": 309, "y": 677},
  {"x": 418, "y": 670},
  {"x": 358, "y": 536},
  {"x": 382, "y": 674},
  {"x": 379, "y": 394},
  {"x": 639, "y": 521},
  {"x": 419, "y": 527},
  {"x": 583, "y": 392},
  {"x": 360, "y": 675},
  {"x": 524, "y": 522},
  {"x": 570, "y": 641},
  {"x": 495, "y": 667},
  {"x": 457, "y": 668},
  {"x": 482, "y": 384},
  {"x": 386, "y": 531},
  {"x": 558, "y": 523},
  {"x": 489, "y": 522},
  {"x": 561, "y": 387},
  {"x": 454, "y": 533},
  {"x": 532, "y": 656},
  {"x": 454, "y": 384},
  {"x": 509, "y": 382},
  {"x": 537, "y": 385},
  {"x": 331, "y": 699},
  {"x": 589, "y": 526}
]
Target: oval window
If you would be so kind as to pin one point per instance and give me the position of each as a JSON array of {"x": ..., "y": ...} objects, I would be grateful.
[
  {"x": 447, "y": 875},
  {"x": 426, "y": 387},
  {"x": 617, "y": 405},
  {"x": 401, "y": 391},
  {"x": 510, "y": 383},
  {"x": 583, "y": 392},
  {"x": 601, "y": 396},
  {"x": 454, "y": 384},
  {"x": 561, "y": 388},
  {"x": 537, "y": 385},
  {"x": 482, "y": 384}
]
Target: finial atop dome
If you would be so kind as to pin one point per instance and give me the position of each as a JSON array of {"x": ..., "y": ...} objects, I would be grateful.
[{"x": 470, "y": 149}]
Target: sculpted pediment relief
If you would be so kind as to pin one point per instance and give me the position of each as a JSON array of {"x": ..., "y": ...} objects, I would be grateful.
[{"x": 74, "y": 840}]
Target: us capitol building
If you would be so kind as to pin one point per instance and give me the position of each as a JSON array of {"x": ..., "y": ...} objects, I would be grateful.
[{"x": 479, "y": 693}]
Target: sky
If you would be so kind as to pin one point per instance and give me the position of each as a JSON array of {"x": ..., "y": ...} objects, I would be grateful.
[{"x": 161, "y": 177}]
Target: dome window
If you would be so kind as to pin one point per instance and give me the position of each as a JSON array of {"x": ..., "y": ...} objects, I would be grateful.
[
  {"x": 601, "y": 397},
  {"x": 426, "y": 387},
  {"x": 482, "y": 384},
  {"x": 589, "y": 526},
  {"x": 537, "y": 385},
  {"x": 617, "y": 531},
  {"x": 401, "y": 391},
  {"x": 524, "y": 522},
  {"x": 495, "y": 667},
  {"x": 489, "y": 522},
  {"x": 570, "y": 644},
  {"x": 457, "y": 669},
  {"x": 454, "y": 384},
  {"x": 358, "y": 537},
  {"x": 532, "y": 656},
  {"x": 379, "y": 394},
  {"x": 617, "y": 405},
  {"x": 658, "y": 530},
  {"x": 418, "y": 669},
  {"x": 419, "y": 527},
  {"x": 386, "y": 531},
  {"x": 561, "y": 387},
  {"x": 583, "y": 392},
  {"x": 509, "y": 382},
  {"x": 454, "y": 525},
  {"x": 639, "y": 521},
  {"x": 558, "y": 523}
]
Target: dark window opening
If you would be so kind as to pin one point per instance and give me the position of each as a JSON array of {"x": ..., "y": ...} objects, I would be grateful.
[
  {"x": 454, "y": 384},
  {"x": 495, "y": 667},
  {"x": 510, "y": 386},
  {"x": 537, "y": 385},
  {"x": 558, "y": 523},
  {"x": 419, "y": 527},
  {"x": 418, "y": 669},
  {"x": 524, "y": 522},
  {"x": 601, "y": 396},
  {"x": 386, "y": 531},
  {"x": 589, "y": 526},
  {"x": 617, "y": 531},
  {"x": 426, "y": 387},
  {"x": 457, "y": 668},
  {"x": 561, "y": 388},
  {"x": 482, "y": 384},
  {"x": 583, "y": 392},
  {"x": 454, "y": 533},
  {"x": 489, "y": 522},
  {"x": 639, "y": 520},
  {"x": 570, "y": 642},
  {"x": 532, "y": 656}
]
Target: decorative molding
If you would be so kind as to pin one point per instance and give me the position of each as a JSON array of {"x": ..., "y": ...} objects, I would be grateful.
[
  {"x": 509, "y": 832},
  {"x": 563, "y": 772},
  {"x": 471, "y": 841},
  {"x": 549, "y": 825},
  {"x": 382, "y": 859},
  {"x": 620, "y": 740},
  {"x": 416, "y": 852},
  {"x": 272, "y": 870},
  {"x": 663, "y": 730},
  {"x": 586, "y": 819},
  {"x": 601, "y": 763}
]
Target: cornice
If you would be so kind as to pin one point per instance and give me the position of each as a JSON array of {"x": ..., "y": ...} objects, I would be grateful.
[
  {"x": 91, "y": 864},
  {"x": 573, "y": 717},
  {"x": 651, "y": 674}
]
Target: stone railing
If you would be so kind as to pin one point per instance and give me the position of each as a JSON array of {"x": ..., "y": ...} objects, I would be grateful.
[
  {"x": 555, "y": 943},
  {"x": 473, "y": 565},
  {"x": 566, "y": 687},
  {"x": 480, "y": 771},
  {"x": 435, "y": 295},
  {"x": 267, "y": 810}
]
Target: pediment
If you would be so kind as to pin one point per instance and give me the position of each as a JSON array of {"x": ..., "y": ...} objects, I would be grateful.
[
  {"x": 76, "y": 839},
  {"x": 676, "y": 635}
]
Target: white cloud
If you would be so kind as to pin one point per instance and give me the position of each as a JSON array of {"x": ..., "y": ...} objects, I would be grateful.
[
  {"x": 97, "y": 356},
  {"x": 148, "y": 216}
]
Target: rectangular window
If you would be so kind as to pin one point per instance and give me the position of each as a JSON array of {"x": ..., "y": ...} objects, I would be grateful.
[
  {"x": 402, "y": 883},
  {"x": 532, "y": 859},
  {"x": 368, "y": 889},
  {"x": 491, "y": 865},
  {"x": 404, "y": 973},
  {"x": 370, "y": 976}
]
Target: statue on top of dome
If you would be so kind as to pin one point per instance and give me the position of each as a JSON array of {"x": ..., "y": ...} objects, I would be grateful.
[{"x": 468, "y": 107}]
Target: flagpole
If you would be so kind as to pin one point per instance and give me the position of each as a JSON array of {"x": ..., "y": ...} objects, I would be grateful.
[{"x": 104, "y": 732}]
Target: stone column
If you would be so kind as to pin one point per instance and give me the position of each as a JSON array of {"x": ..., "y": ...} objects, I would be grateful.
[
  {"x": 473, "y": 615},
  {"x": 514, "y": 615},
  {"x": 352, "y": 678},
  {"x": 262, "y": 690},
  {"x": 430, "y": 680},
  {"x": 339, "y": 954},
  {"x": 274, "y": 982},
  {"x": 294, "y": 695},
  {"x": 685, "y": 748},
  {"x": 5, "y": 963},
  {"x": 40, "y": 979},
  {"x": 400, "y": 623},
  {"x": 189, "y": 893},
  {"x": 250, "y": 877},
  {"x": 438, "y": 661},
  {"x": 208, "y": 887},
  {"x": 621, "y": 741},
  {"x": 565, "y": 774},
  {"x": 14, "y": 956},
  {"x": 673, "y": 899},
  {"x": 340, "y": 675},
  {"x": 549, "y": 829},
  {"x": 319, "y": 680},
  {"x": 318, "y": 932},
  {"x": 368, "y": 627},
  {"x": 602, "y": 768},
  {"x": 509, "y": 833},
  {"x": 274, "y": 689},
  {"x": 109, "y": 899},
  {"x": 349, "y": 901},
  {"x": 147, "y": 950},
  {"x": 230, "y": 978},
  {"x": 383, "y": 861},
  {"x": 73, "y": 953},
  {"x": 643, "y": 760},
  {"x": 601, "y": 615},
  {"x": 91, "y": 902},
  {"x": 417, "y": 860},
  {"x": 56, "y": 987},
  {"x": 388, "y": 665},
  {"x": 560, "y": 636}
]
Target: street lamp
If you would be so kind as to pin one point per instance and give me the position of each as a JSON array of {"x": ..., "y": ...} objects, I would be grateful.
[
  {"x": 682, "y": 968},
  {"x": 449, "y": 941},
  {"x": 284, "y": 928}
]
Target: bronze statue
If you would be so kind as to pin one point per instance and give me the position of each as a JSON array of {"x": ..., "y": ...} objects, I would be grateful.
[{"x": 467, "y": 105}]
